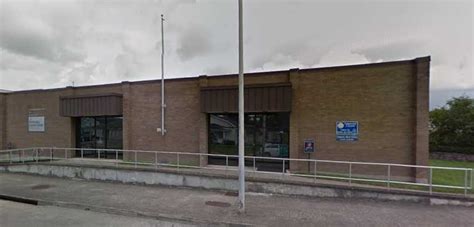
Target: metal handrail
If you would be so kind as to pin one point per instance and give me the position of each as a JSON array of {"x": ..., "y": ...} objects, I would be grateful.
[
  {"x": 251, "y": 157},
  {"x": 388, "y": 181}
]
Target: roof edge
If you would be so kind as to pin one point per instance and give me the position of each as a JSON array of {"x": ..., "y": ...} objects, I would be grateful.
[{"x": 415, "y": 60}]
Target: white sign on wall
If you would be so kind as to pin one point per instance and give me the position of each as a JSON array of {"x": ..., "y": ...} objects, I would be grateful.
[{"x": 36, "y": 124}]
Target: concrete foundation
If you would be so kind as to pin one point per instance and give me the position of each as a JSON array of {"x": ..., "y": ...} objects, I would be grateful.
[{"x": 204, "y": 181}]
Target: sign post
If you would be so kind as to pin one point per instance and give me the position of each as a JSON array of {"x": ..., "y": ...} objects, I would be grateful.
[{"x": 309, "y": 148}]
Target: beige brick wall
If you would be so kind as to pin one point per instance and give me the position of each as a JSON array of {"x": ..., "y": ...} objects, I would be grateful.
[
  {"x": 421, "y": 139},
  {"x": 381, "y": 98},
  {"x": 389, "y": 100},
  {"x": 57, "y": 129},
  {"x": 181, "y": 118}
]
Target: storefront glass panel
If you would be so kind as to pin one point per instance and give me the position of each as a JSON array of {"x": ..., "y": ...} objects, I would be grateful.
[
  {"x": 266, "y": 135},
  {"x": 99, "y": 133}
]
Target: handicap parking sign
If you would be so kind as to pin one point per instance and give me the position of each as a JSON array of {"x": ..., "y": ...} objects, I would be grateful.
[
  {"x": 309, "y": 146},
  {"x": 347, "y": 131}
]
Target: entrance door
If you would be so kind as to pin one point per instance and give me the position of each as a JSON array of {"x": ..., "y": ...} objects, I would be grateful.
[
  {"x": 266, "y": 135},
  {"x": 99, "y": 133}
]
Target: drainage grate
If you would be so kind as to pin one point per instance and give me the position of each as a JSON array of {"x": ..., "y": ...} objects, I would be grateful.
[
  {"x": 217, "y": 204},
  {"x": 234, "y": 194},
  {"x": 41, "y": 186}
]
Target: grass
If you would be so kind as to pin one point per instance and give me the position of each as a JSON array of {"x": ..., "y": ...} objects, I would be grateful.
[
  {"x": 452, "y": 177},
  {"x": 440, "y": 177}
]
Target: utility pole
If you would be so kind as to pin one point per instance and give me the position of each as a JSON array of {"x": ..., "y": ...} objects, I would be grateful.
[
  {"x": 241, "y": 116},
  {"x": 163, "y": 105}
]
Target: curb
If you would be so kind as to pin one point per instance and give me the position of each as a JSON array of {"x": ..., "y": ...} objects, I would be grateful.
[{"x": 19, "y": 199}]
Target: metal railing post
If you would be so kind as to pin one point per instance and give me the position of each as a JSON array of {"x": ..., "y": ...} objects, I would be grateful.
[
  {"x": 315, "y": 169},
  {"x": 389, "y": 175},
  {"x": 82, "y": 153},
  {"x": 283, "y": 169},
  {"x": 350, "y": 174},
  {"x": 10, "y": 157},
  {"x": 36, "y": 155},
  {"x": 226, "y": 165},
  {"x": 177, "y": 160},
  {"x": 431, "y": 181},
  {"x": 156, "y": 160},
  {"x": 201, "y": 164},
  {"x": 200, "y": 160},
  {"x": 254, "y": 167},
  {"x": 465, "y": 182},
  {"x": 472, "y": 178},
  {"x": 65, "y": 154},
  {"x": 51, "y": 155},
  {"x": 22, "y": 156},
  {"x": 98, "y": 154},
  {"x": 116, "y": 158},
  {"x": 135, "y": 162}
]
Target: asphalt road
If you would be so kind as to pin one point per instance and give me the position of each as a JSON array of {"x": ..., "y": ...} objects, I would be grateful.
[
  {"x": 19, "y": 214},
  {"x": 204, "y": 206}
]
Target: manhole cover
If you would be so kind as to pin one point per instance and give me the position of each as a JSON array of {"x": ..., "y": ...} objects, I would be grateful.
[
  {"x": 41, "y": 186},
  {"x": 217, "y": 204},
  {"x": 235, "y": 194}
]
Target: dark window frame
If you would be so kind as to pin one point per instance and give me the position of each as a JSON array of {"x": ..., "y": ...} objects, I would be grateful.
[
  {"x": 78, "y": 128},
  {"x": 272, "y": 165}
]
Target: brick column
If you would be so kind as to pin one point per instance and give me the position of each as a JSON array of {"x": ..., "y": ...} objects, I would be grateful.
[
  {"x": 422, "y": 73},
  {"x": 203, "y": 124},
  {"x": 70, "y": 90},
  {"x": 127, "y": 115},
  {"x": 295, "y": 141},
  {"x": 3, "y": 121}
]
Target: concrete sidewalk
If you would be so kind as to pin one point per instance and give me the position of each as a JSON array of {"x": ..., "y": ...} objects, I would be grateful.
[{"x": 205, "y": 207}]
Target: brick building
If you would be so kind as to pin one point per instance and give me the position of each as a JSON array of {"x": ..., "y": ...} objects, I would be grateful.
[{"x": 370, "y": 113}]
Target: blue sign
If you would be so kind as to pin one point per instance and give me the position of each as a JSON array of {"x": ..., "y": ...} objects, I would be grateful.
[
  {"x": 347, "y": 131},
  {"x": 308, "y": 146}
]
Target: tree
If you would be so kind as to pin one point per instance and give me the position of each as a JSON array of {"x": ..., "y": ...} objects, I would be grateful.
[{"x": 452, "y": 126}]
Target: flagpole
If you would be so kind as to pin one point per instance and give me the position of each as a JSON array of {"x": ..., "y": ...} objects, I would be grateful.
[{"x": 163, "y": 105}]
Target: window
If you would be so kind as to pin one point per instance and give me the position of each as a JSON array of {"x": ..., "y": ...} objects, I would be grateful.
[
  {"x": 99, "y": 133},
  {"x": 266, "y": 135}
]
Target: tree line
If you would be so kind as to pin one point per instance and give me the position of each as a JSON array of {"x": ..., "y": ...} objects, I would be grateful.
[{"x": 452, "y": 126}]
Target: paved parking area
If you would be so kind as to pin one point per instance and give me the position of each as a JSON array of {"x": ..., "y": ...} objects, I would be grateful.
[
  {"x": 214, "y": 207},
  {"x": 19, "y": 214}
]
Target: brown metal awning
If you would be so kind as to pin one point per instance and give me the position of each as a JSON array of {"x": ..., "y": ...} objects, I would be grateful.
[
  {"x": 258, "y": 98},
  {"x": 91, "y": 105}
]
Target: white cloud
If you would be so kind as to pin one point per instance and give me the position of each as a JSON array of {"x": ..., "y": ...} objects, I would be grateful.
[{"x": 49, "y": 43}]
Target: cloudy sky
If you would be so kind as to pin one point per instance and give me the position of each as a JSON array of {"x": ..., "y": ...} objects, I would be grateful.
[{"x": 46, "y": 44}]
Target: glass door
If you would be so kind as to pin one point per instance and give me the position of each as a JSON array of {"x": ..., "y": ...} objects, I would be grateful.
[
  {"x": 99, "y": 133},
  {"x": 86, "y": 138},
  {"x": 266, "y": 135}
]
